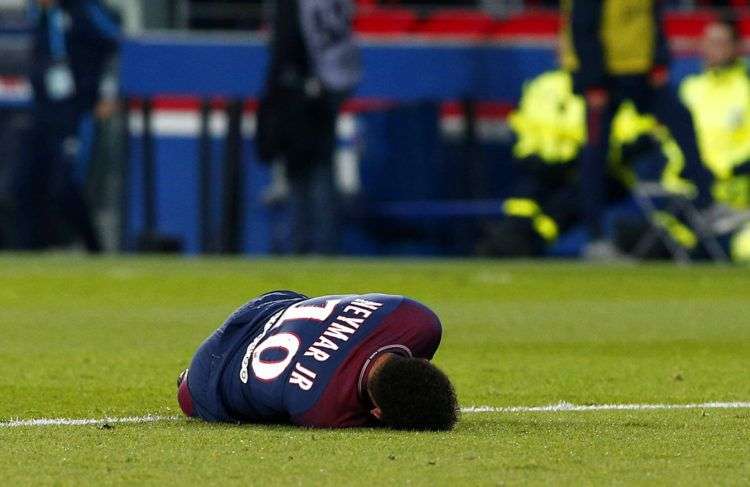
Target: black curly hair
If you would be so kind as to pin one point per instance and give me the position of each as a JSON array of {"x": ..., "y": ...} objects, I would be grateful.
[{"x": 413, "y": 394}]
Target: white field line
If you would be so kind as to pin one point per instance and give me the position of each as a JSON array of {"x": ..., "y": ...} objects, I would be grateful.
[
  {"x": 552, "y": 408},
  {"x": 19, "y": 423},
  {"x": 566, "y": 406}
]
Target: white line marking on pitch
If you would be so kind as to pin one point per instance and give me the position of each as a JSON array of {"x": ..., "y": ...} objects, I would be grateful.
[
  {"x": 566, "y": 406},
  {"x": 18, "y": 423},
  {"x": 552, "y": 408}
]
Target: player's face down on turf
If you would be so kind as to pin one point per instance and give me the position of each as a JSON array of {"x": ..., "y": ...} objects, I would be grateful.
[
  {"x": 332, "y": 361},
  {"x": 412, "y": 394}
]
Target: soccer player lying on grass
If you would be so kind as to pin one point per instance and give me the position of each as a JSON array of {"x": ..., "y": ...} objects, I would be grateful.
[{"x": 332, "y": 361}]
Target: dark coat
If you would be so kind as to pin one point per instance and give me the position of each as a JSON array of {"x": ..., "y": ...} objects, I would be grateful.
[{"x": 90, "y": 38}]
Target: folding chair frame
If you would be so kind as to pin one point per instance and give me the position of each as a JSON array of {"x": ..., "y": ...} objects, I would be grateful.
[{"x": 645, "y": 194}]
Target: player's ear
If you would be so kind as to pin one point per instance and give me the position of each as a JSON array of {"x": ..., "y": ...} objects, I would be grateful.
[{"x": 377, "y": 413}]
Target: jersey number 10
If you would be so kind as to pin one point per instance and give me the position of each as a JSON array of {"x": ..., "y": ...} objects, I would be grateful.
[{"x": 288, "y": 342}]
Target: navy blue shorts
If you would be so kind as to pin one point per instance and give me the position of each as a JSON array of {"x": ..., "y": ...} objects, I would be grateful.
[
  {"x": 211, "y": 359},
  {"x": 203, "y": 380}
]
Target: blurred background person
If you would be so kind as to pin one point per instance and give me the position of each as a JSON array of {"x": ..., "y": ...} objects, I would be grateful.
[
  {"x": 314, "y": 67},
  {"x": 549, "y": 130},
  {"x": 616, "y": 51},
  {"x": 719, "y": 100},
  {"x": 549, "y": 127},
  {"x": 74, "y": 42}
]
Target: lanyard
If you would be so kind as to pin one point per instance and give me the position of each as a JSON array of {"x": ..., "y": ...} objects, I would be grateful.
[{"x": 56, "y": 26}]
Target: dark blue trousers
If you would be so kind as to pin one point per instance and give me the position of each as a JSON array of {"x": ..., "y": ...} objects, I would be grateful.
[
  {"x": 314, "y": 200},
  {"x": 45, "y": 185},
  {"x": 664, "y": 104}
]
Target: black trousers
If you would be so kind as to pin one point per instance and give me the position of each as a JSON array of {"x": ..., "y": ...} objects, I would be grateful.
[
  {"x": 46, "y": 190},
  {"x": 664, "y": 104},
  {"x": 309, "y": 160}
]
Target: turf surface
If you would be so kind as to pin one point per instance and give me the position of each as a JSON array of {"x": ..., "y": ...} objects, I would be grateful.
[{"x": 94, "y": 338}]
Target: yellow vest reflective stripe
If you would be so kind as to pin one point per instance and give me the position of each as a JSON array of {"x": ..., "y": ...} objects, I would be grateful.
[
  {"x": 627, "y": 126},
  {"x": 544, "y": 225},
  {"x": 521, "y": 207},
  {"x": 679, "y": 232},
  {"x": 671, "y": 177},
  {"x": 628, "y": 36}
]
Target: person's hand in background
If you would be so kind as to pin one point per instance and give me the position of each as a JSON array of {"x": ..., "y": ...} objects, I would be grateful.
[
  {"x": 659, "y": 76},
  {"x": 105, "y": 109},
  {"x": 596, "y": 98}
]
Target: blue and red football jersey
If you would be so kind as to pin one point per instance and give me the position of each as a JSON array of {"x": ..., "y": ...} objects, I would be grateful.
[{"x": 283, "y": 357}]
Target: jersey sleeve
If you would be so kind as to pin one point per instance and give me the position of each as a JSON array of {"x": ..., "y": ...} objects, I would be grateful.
[
  {"x": 255, "y": 306},
  {"x": 413, "y": 326}
]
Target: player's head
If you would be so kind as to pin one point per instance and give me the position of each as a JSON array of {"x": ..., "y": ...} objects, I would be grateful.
[
  {"x": 413, "y": 394},
  {"x": 721, "y": 41}
]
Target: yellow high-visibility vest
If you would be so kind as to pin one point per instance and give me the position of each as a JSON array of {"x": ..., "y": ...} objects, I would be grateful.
[
  {"x": 549, "y": 122},
  {"x": 720, "y": 103},
  {"x": 627, "y": 33},
  {"x": 740, "y": 245},
  {"x": 629, "y": 125}
]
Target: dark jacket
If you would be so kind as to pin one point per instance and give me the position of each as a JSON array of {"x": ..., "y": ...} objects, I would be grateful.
[
  {"x": 290, "y": 64},
  {"x": 86, "y": 40},
  {"x": 609, "y": 38}
]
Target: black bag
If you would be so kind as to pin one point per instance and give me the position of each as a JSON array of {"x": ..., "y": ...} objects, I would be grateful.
[
  {"x": 294, "y": 126},
  {"x": 268, "y": 137}
]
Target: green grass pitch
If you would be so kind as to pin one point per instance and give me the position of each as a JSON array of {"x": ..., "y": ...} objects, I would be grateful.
[{"x": 106, "y": 338}]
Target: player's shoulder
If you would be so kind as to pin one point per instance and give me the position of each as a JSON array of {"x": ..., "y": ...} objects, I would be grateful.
[
  {"x": 265, "y": 302},
  {"x": 411, "y": 313},
  {"x": 391, "y": 308},
  {"x": 367, "y": 300},
  {"x": 393, "y": 300},
  {"x": 395, "y": 308}
]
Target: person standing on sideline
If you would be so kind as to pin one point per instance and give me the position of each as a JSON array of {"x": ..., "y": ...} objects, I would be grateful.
[
  {"x": 314, "y": 67},
  {"x": 719, "y": 100},
  {"x": 74, "y": 44},
  {"x": 617, "y": 51}
]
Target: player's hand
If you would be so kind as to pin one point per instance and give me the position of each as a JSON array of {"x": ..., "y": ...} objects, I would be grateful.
[
  {"x": 596, "y": 98},
  {"x": 659, "y": 76}
]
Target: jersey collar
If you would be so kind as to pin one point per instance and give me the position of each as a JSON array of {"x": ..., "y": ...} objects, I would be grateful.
[{"x": 364, "y": 372}]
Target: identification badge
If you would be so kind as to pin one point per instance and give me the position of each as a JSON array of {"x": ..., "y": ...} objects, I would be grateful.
[{"x": 60, "y": 82}]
